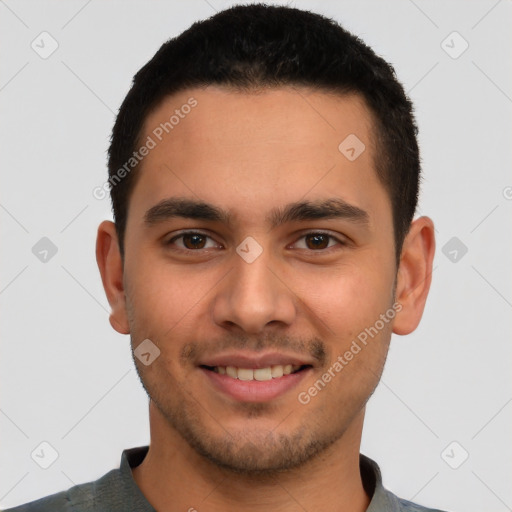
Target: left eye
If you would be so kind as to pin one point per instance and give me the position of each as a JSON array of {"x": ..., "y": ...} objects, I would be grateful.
[{"x": 316, "y": 241}]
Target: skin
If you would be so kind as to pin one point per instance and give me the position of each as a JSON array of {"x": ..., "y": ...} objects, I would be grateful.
[{"x": 249, "y": 153}]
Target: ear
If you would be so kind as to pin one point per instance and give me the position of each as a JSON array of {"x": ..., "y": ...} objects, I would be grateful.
[
  {"x": 110, "y": 264},
  {"x": 414, "y": 275}
]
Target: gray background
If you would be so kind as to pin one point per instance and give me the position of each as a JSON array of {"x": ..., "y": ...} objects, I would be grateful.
[{"x": 68, "y": 379}]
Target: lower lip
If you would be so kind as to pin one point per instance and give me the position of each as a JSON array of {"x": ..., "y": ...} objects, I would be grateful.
[{"x": 254, "y": 390}]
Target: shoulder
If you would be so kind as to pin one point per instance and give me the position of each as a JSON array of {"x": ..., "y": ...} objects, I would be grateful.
[
  {"x": 76, "y": 499},
  {"x": 409, "y": 506},
  {"x": 382, "y": 499},
  {"x": 86, "y": 497},
  {"x": 115, "y": 491}
]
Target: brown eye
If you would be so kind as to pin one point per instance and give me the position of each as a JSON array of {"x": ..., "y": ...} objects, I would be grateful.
[
  {"x": 317, "y": 241},
  {"x": 194, "y": 241}
]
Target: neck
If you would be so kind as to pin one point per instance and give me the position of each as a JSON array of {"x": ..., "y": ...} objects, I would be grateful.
[{"x": 173, "y": 477}]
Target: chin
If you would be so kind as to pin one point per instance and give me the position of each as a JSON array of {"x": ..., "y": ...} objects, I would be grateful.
[{"x": 268, "y": 456}]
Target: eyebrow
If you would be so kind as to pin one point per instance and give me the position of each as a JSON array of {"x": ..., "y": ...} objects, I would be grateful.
[{"x": 332, "y": 208}]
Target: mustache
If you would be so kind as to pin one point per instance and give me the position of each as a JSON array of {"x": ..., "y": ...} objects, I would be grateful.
[{"x": 314, "y": 347}]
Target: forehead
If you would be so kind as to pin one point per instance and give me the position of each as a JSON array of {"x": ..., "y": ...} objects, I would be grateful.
[
  {"x": 289, "y": 116},
  {"x": 247, "y": 149}
]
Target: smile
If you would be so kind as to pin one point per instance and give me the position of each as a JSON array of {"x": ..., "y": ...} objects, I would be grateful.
[
  {"x": 261, "y": 384},
  {"x": 259, "y": 374}
]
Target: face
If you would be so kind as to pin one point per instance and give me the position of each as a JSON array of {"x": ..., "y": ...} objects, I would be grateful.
[{"x": 254, "y": 247}]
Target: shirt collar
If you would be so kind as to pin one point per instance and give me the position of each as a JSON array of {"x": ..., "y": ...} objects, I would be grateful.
[{"x": 381, "y": 499}]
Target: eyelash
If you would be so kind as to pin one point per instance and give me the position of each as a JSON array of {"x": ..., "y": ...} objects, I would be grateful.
[{"x": 324, "y": 233}]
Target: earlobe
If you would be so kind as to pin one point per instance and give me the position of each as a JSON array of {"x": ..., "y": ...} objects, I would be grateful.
[
  {"x": 110, "y": 264},
  {"x": 414, "y": 275}
]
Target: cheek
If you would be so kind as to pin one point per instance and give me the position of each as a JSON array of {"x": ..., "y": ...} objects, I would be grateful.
[
  {"x": 351, "y": 303},
  {"x": 347, "y": 299},
  {"x": 166, "y": 297}
]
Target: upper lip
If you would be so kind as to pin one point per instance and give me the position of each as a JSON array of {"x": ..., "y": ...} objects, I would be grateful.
[{"x": 255, "y": 360}]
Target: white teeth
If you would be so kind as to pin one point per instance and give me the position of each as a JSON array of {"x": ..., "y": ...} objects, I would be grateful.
[
  {"x": 277, "y": 371},
  {"x": 260, "y": 374},
  {"x": 232, "y": 372},
  {"x": 245, "y": 374}
]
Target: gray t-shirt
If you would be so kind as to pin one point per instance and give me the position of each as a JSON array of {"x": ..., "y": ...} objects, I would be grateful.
[{"x": 117, "y": 492}]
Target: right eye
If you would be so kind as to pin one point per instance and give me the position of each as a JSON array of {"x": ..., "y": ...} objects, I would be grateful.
[{"x": 192, "y": 241}]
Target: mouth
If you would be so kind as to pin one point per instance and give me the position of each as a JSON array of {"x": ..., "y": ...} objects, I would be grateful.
[
  {"x": 254, "y": 378},
  {"x": 258, "y": 374}
]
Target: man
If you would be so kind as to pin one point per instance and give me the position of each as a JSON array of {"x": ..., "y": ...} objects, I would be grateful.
[{"x": 264, "y": 176}]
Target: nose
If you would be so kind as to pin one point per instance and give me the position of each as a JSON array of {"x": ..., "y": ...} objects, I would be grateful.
[{"x": 254, "y": 296}]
